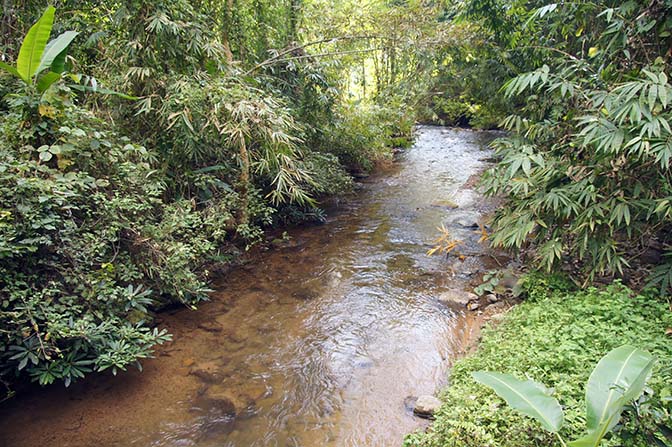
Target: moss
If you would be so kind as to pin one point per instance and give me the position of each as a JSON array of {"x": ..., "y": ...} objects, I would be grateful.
[{"x": 556, "y": 339}]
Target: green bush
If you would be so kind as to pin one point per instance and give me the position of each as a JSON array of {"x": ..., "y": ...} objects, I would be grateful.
[
  {"x": 362, "y": 135},
  {"x": 97, "y": 231},
  {"x": 74, "y": 198},
  {"x": 449, "y": 111},
  {"x": 585, "y": 168},
  {"x": 556, "y": 339},
  {"x": 331, "y": 178},
  {"x": 452, "y": 112}
]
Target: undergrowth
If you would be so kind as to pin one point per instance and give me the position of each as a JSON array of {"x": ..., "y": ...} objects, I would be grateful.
[{"x": 556, "y": 337}]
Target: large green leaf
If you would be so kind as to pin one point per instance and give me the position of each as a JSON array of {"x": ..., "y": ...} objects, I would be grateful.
[
  {"x": 528, "y": 397},
  {"x": 33, "y": 45},
  {"x": 54, "y": 53},
  {"x": 47, "y": 80},
  {"x": 8, "y": 68},
  {"x": 619, "y": 377}
]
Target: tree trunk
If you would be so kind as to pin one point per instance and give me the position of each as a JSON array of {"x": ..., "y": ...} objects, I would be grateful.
[
  {"x": 226, "y": 37},
  {"x": 294, "y": 12},
  {"x": 244, "y": 179}
]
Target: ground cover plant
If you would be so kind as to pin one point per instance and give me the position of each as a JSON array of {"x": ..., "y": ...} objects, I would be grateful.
[{"x": 557, "y": 338}]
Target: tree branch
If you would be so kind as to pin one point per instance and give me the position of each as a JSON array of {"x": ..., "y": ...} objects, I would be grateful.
[{"x": 278, "y": 57}]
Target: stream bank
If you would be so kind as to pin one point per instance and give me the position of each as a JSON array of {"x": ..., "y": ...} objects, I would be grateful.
[{"x": 315, "y": 340}]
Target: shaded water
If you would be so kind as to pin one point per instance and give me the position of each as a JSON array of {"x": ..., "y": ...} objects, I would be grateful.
[{"x": 316, "y": 343}]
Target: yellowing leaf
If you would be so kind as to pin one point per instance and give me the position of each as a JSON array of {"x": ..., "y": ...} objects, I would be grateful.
[
  {"x": 592, "y": 51},
  {"x": 46, "y": 110},
  {"x": 62, "y": 162}
]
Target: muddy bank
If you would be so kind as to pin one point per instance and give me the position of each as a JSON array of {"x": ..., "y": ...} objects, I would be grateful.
[{"x": 318, "y": 342}]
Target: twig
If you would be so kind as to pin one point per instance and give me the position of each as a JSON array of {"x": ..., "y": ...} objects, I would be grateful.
[
  {"x": 278, "y": 57},
  {"x": 335, "y": 53}
]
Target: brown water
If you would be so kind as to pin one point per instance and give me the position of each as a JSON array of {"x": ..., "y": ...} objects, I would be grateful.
[{"x": 316, "y": 343}]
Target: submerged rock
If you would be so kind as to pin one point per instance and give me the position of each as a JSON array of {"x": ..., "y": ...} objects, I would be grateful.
[
  {"x": 445, "y": 204},
  {"x": 305, "y": 294},
  {"x": 457, "y": 296},
  {"x": 228, "y": 401},
  {"x": 426, "y": 406},
  {"x": 210, "y": 326},
  {"x": 208, "y": 372},
  {"x": 409, "y": 402}
]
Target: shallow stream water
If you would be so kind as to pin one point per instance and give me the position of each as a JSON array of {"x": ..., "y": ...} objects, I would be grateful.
[{"x": 318, "y": 342}]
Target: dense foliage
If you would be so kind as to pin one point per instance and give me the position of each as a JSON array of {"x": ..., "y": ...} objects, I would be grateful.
[
  {"x": 173, "y": 135},
  {"x": 164, "y": 144},
  {"x": 586, "y": 168},
  {"x": 557, "y": 338},
  {"x": 582, "y": 90}
]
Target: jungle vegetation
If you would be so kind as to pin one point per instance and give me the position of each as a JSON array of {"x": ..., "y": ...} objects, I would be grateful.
[{"x": 148, "y": 144}]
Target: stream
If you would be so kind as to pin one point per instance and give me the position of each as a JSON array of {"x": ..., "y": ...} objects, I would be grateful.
[{"x": 317, "y": 342}]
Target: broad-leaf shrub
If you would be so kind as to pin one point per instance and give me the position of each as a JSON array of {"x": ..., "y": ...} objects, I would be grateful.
[
  {"x": 618, "y": 379},
  {"x": 362, "y": 135},
  {"x": 74, "y": 200}
]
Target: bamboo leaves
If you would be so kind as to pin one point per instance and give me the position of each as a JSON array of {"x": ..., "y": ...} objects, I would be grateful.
[
  {"x": 619, "y": 378},
  {"x": 605, "y": 170},
  {"x": 531, "y": 80}
]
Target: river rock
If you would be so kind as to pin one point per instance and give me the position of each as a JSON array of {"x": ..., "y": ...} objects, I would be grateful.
[
  {"x": 465, "y": 223},
  {"x": 409, "y": 402},
  {"x": 228, "y": 401},
  {"x": 426, "y": 406},
  {"x": 188, "y": 362},
  {"x": 499, "y": 306},
  {"x": 257, "y": 391},
  {"x": 492, "y": 298},
  {"x": 210, "y": 326},
  {"x": 305, "y": 294},
  {"x": 474, "y": 305},
  {"x": 457, "y": 296},
  {"x": 445, "y": 204},
  {"x": 284, "y": 243},
  {"x": 209, "y": 372},
  {"x": 235, "y": 335}
]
